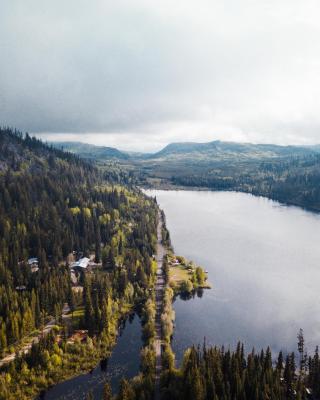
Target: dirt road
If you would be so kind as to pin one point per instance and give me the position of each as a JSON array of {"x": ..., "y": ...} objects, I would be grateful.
[
  {"x": 160, "y": 286},
  {"x": 47, "y": 328}
]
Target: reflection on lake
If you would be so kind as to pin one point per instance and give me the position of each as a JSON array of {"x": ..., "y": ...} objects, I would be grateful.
[
  {"x": 124, "y": 361},
  {"x": 263, "y": 260}
]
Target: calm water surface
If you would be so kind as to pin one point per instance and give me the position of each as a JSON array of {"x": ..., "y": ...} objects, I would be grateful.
[
  {"x": 124, "y": 362},
  {"x": 263, "y": 260}
]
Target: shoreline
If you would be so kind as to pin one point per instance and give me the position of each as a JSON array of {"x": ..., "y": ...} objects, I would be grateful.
[
  {"x": 161, "y": 344},
  {"x": 172, "y": 187},
  {"x": 158, "y": 341}
]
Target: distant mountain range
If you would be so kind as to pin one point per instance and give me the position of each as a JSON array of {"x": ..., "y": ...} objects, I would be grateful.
[
  {"x": 289, "y": 174},
  {"x": 91, "y": 151},
  {"x": 219, "y": 150},
  {"x": 212, "y": 151}
]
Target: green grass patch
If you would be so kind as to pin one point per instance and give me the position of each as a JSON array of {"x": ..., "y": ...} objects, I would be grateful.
[{"x": 178, "y": 273}]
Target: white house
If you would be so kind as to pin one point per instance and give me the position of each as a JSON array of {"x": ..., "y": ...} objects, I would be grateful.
[
  {"x": 33, "y": 261},
  {"x": 82, "y": 263}
]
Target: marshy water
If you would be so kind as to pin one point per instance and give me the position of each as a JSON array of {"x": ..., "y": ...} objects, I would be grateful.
[{"x": 124, "y": 362}]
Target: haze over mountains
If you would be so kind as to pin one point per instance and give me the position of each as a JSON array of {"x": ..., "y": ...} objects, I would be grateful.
[{"x": 215, "y": 151}]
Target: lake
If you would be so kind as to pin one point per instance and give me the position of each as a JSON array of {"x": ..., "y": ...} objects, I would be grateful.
[
  {"x": 124, "y": 362},
  {"x": 263, "y": 260}
]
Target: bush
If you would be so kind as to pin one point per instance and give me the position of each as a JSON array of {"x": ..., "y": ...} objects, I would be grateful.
[{"x": 186, "y": 286}]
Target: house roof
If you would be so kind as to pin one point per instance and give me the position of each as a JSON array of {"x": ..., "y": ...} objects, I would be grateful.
[
  {"x": 82, "y": 263},
  {"x": 33, "y": 260}
]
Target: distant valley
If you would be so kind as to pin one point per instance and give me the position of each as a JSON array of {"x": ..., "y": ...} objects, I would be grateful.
[
  {"x": 285, "y": 173},
  {"x": 188, "y": 151}
]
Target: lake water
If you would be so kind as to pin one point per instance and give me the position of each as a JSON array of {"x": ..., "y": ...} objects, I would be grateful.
[
  {"x": 263, "y": 260},
  {"x": 124, "y": 362}
]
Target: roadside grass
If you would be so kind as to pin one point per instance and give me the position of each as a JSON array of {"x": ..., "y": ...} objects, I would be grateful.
[{"x": 178, "y": 274}]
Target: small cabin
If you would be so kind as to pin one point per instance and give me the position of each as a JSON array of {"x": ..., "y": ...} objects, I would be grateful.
[
  {"x": 21, "y": 288},
  {"x": 33, "y": 264},
  {"x": 78, "y": 335}
]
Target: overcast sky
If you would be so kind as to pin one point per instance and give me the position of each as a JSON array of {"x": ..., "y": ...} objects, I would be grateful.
[{"x": 138, "y": 74}]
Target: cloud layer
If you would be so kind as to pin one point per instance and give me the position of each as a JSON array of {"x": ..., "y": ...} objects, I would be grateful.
[{"x": 139, "y": 74}]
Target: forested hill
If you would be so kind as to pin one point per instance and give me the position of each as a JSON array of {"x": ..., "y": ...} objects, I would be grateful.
[
  {"x": 19, "y": 151},
  {"x": 290, "y": 174},
  {"x": 90, "y": 151},
  {"x": 38, "y": 186},
  {"x": 294, "y": 181},
  {"x": 56, "y": 208},
  {"x": 190, "y": 151},
  {"x": 223, "y": 151}
]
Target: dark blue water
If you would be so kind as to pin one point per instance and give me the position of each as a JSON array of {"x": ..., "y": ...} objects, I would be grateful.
[{"x": 124, "y": 362}]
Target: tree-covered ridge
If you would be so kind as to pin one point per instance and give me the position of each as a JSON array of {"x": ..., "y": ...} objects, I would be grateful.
[
  {"x": 289, "y": 174},
  {"x": 293, "y": 180},
  {"x": 227, "y": 151},
  {"x": 21, "y": 151},
  {"x": 55, "y": 207},
  {"x": 218, "y": 373},
  {"x": 90, "y": 151}
]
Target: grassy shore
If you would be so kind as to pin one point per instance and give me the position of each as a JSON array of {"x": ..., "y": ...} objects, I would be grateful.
[{"x": 185, "y": 276}]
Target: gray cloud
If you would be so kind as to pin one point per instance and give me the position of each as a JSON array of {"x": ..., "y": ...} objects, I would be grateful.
[{"x": 157, "y": 72}]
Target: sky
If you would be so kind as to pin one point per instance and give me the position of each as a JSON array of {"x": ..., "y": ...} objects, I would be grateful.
[{"x": 138, "y": 74}]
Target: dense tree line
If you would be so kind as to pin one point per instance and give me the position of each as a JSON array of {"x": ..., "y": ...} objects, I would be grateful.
[
  {"x": 217, "y": 373},
  {"x": 54, "y": 205},
  {"x": 213, "y": 373},
  {"x": 292, "y": 180}
]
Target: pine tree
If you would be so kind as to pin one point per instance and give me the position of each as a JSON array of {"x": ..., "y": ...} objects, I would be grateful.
[
  {"x": 97, "y": 243},
  {"x": 301, "y": 349},
  {"x": 125, "y": 391},
  {"x": 88, "y": 308},
  {"x": 107, "y": 392},
  {"x": 279, "y": 366}
]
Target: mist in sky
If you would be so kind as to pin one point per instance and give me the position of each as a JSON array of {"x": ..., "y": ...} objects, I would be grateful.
[{"x": 140, "y": 74}]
